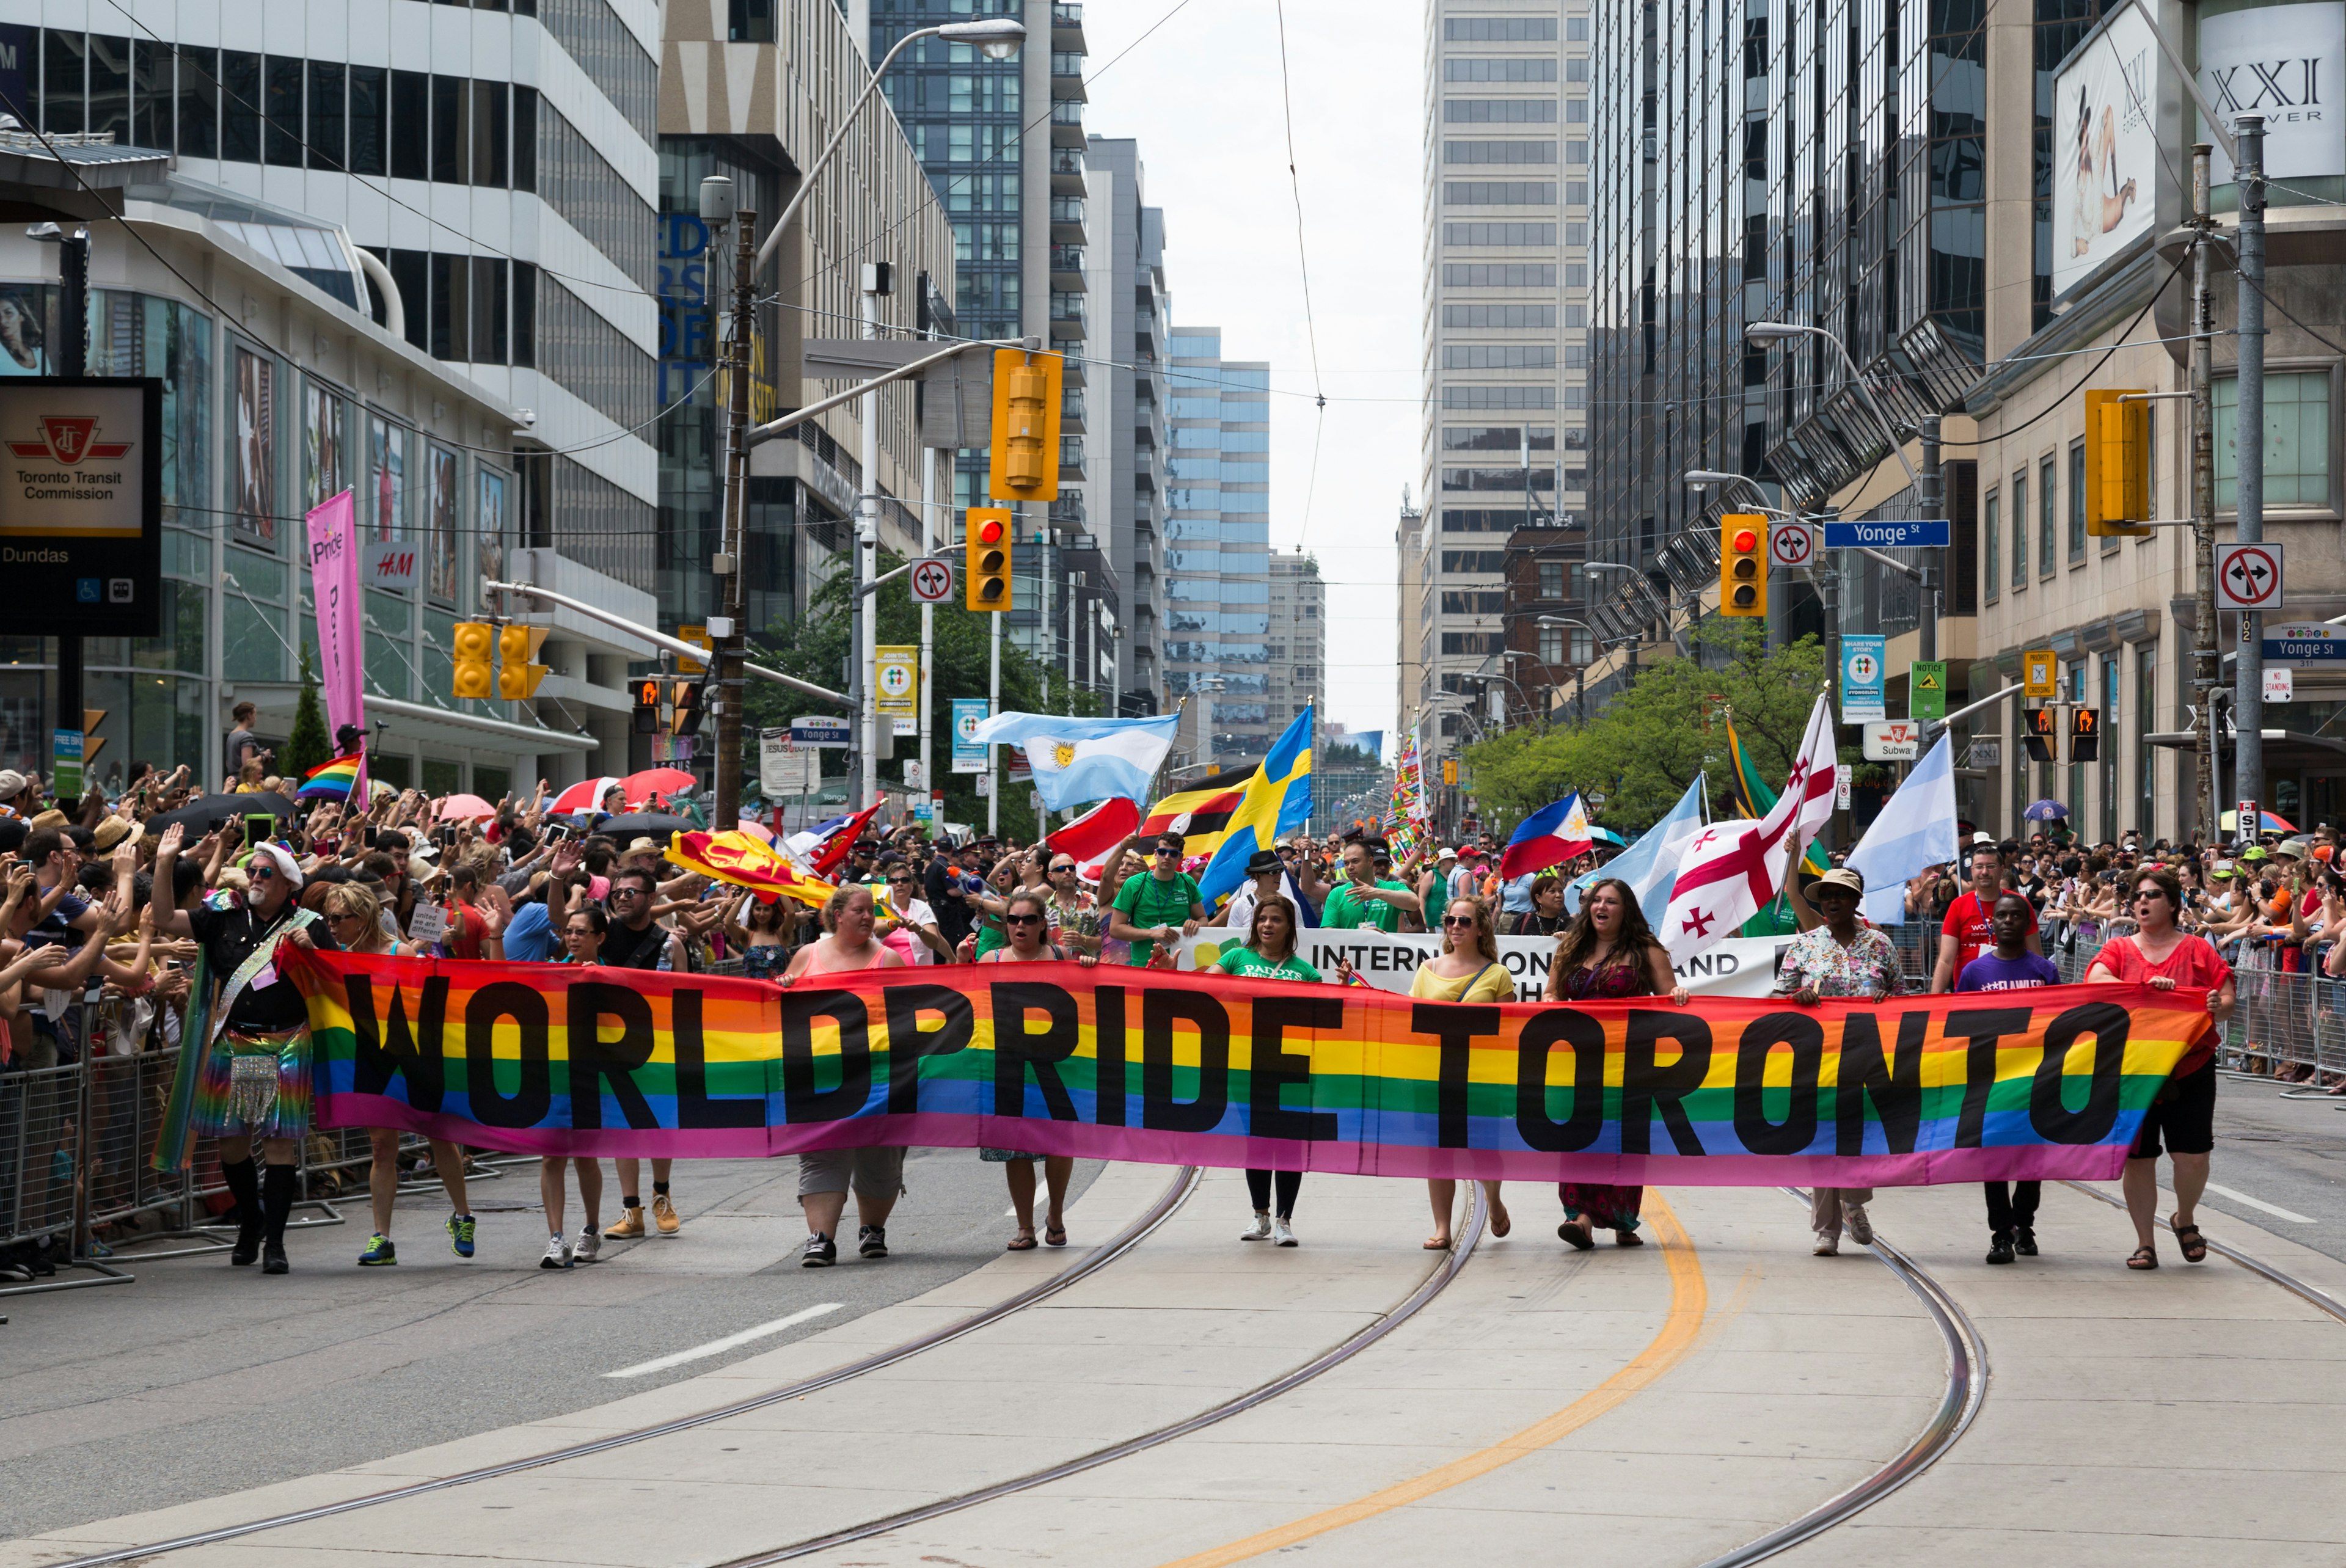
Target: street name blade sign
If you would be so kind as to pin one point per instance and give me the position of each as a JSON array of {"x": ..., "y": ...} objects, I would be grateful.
[
  {"x": 2248, "y": 576},
  {"x": 931, "y": 581},
  {"x": 2304, "y": 644},
  {"x": 1893, "y": 740},
  {"x": 1791, "y": 544},
  {"x": 1905, "y": 533},
  {"x": 809, "y": 729}
]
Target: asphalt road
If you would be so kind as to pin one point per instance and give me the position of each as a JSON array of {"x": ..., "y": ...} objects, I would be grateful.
[
  {"x": 201, "y": 1379},
  {"x": 2288, "y": 1154}
]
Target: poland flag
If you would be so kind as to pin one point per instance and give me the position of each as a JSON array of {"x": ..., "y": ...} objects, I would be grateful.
[{"x": 1731, "y": 869}]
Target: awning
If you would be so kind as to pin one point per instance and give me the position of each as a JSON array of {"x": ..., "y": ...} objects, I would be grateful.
[
  {"x": 68, "y": 176},
  {"x": 440, "y": 726}
]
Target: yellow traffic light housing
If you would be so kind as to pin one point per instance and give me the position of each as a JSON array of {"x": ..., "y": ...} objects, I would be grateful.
[
  {"x": 473, "y": 642},
  {"x": 2118, "y": 463},
  {"x": 1743, "y": 564},
  {"x": 647, "y": 705},
  {"x": 2085, "y": 735},
  {"x": 1025, "y": 442},
  {"x": 2041, "y": 735},
  {"x": 518, "y": 671},
  {"x": 683, "y": 707},
  {"x": 985, "y": 565}
]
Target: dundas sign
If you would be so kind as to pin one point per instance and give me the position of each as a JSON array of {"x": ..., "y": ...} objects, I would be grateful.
[{"x": 80, "y": 508}]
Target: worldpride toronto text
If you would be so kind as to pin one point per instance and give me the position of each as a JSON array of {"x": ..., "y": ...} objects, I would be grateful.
[{"x": 1726, "y": 1081}]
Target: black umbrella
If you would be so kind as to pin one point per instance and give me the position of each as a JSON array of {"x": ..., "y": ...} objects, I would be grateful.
[
  {"x": 645, "y": 825},
  {"x": 214, "y": 811}
]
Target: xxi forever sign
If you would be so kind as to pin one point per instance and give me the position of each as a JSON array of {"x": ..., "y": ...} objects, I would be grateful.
[{"x": 81, "y": 521}]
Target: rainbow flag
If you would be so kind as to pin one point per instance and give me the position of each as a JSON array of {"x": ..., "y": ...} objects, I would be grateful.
[
  {"x": 1174, "y": 1068},
  {"x": 332, "y": 780}
]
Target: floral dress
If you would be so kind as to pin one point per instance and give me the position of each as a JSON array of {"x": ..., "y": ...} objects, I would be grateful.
[{"x": 1605, "y": 1207}]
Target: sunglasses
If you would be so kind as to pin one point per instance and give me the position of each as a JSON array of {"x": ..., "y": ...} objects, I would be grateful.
[
  {"x": 1022, "y": 919},
  {"x": 900, "y": 882},
  {"x": 1458, "y": 920},
  {"x": 260, "y": 873},
  {"x": 1056, "y": 870},
  {"x": 1164, "y": 849}
]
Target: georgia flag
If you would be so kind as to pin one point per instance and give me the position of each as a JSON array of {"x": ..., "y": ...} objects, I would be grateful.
[{"x": 1730, "y": 869}]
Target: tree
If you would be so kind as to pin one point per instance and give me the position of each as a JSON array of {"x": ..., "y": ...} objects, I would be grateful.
[
  {"x": 818, "y": 648},
  {"x": 1647, "y": 743},
  {"x": 308, "y": 745}
]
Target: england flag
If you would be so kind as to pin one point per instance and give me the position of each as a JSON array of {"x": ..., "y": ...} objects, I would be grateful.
[{"x": 1731, "y": 869}]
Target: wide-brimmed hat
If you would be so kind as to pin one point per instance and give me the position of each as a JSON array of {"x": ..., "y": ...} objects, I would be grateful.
[
  {"x": 1840, "y": 877},
  {"x": 52, "y": 818},
  {"x": 110, "y": 833},
  {"x": 1263, "y": 860},
  {"x": 642, "y": 847}
]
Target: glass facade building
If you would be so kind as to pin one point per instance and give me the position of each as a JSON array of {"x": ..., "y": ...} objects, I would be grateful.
[{"x": 1218, "y": 538}]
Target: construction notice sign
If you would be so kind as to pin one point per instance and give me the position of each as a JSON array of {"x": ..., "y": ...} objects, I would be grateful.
[{"x": 1926, "y": 690}]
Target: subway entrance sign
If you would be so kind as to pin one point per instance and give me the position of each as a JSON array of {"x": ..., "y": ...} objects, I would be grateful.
[
  {"x": 81, "y": 516},
  {"x": 1906, "y": 533}
]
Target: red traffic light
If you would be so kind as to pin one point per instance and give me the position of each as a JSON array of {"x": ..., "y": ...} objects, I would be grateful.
[
  {"x": 989, "y": 531},
  {"x": 1746, "y": 539}
]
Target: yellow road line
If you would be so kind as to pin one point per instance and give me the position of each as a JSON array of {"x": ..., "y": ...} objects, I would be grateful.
[{"x": 1689, "y": 1299}]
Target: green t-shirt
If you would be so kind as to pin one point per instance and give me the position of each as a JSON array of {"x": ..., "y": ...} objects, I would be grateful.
[
  {"x": 1249, "y": 964},
  {"x": 1149, "y": 903},
  {"x": 1347, "y": 912}
]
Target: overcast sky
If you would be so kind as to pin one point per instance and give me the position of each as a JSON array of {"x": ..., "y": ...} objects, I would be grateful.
[{"x": 1202, "y": 96}]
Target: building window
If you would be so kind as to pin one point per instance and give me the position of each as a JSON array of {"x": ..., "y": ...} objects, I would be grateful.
[
  {"x": 2048, "y": 517},
  {"x": 2145, "y": 757},
  {"x": 252, "y": 509},
  {"x": 1990, "y": 575},
  {"x": 2077, "y": 501},
  {"x": 1551, "y": 644},
  {"x": 1551, "y": 580},
  {"x": 2020, "y": 530},
  {"x": 2112, "y": 666},
  {"x": 2297, "y": 440}
]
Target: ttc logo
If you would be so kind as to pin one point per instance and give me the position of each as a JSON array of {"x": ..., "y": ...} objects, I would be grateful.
[{"x": 66, "y": 440}]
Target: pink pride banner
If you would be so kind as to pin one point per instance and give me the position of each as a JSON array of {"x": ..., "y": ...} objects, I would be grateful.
[{"x": 333, "y": 536}]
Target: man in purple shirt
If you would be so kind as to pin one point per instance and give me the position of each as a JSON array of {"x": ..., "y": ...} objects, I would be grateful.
[{"x": 2010, "y": 966}]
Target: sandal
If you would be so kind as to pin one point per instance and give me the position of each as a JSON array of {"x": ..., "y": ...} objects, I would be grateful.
[
  {"x": 2142, "y": 1259},
  {"x": 1500, "y": 1222},
  {"x": 1579, "y": 1234},
  {"x": 1627, "y": 1238},
  {"x": 1022, "y": 1242},
  {"x": 1437, "y": 1244},
  {"x": 1055, "y": 1235},
  {"x": 2195, "y": 1245}
]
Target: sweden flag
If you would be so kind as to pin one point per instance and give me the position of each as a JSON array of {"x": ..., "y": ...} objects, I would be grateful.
[{"x": 1277, "y": 802}]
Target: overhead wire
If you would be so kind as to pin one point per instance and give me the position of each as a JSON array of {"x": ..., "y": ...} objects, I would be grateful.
[{"x": 1303, "y": 269}]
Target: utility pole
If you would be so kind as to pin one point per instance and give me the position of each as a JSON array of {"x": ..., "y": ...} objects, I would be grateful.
[
  {"x": 928, "y": 614},
  {"x": 867, "y": 561},
  {"x": 2248, "y": 693},
  {"x": 725, "y": 632},
  {"x": 2205, "y": 666},
  {"x": 993, "y": 690},
  {"x": 1931, "y": 498},
  {"x": 1829, "y": 590},
  {"x": 73, "y": 360}
]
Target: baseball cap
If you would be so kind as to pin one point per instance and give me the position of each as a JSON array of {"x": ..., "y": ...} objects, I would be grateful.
[{"x": 2255, "y": 852}]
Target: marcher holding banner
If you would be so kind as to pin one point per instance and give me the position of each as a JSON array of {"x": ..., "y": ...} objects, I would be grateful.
[
  {"x": 1269, "y": 954},
  {"x": 1467, "y": 970},
  {"x": 1839, "y": 958},
  {"x": 1609, "y": 953},
  {"x": 876, "y": 1172},
  {"x": 1027, "y": 917}
]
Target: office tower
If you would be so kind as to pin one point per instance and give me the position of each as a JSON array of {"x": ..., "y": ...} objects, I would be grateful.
[
  {"x": 1506, "y": 214},
  {"x": 1003, "y": 143},
  {"x": 1218, "y": 541},
  {"x": 1298, "y": 637},
  {"x": 1412, "y": 656},
  {"x": 1126, "y": 402},
  {"x": 757, "y": 104},
  {"x": 482, "y": 179}
]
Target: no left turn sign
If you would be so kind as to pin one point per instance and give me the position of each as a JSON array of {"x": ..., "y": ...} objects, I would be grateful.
[
  {"x": 1791, "y": 544},
  {"x": 931, "y": 581},
  {"x": 2248, "y": 576}
]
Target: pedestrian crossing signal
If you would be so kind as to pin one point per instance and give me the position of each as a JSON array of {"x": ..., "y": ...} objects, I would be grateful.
[
  {"x": 2041, "y": 735},
  {"x": 518, "y": 671},
  {"x": 471, "y": 676},
  {"x": 647, "y": 706},
  {"x": 2085, "y": 735},
  {"x": 683, "y": 707}
]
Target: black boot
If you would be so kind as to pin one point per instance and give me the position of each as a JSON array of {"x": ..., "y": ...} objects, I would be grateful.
[
  {"x": 1999, "y": 1248},
  {"x": 2023, "y": 1242},
  {"x": 277, "y": 1203},
  {"x": 244, "y": 1185}
]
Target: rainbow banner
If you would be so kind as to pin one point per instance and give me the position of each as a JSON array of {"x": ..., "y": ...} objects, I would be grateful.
[
  {"x": 1151, "y": 1065},
  {"x": 332, "y": 780}
]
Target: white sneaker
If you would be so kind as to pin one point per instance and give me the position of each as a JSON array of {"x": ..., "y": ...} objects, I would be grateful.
[
  {"x": 558, "y": 1255},
  {"x": 589, "y": 1249},
  {"x": 1827, "y": 1245},
  {"x": 1280, "y": 1235},
  {"x": 1860, "y": 1228},
  {"x": 1259, "y": 1231}
]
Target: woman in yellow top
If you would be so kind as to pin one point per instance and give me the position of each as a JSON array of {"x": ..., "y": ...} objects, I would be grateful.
[{"x": 1467, "y": 970}]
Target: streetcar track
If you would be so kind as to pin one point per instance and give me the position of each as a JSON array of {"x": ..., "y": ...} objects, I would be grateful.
[
  {"x": 1184, "y": 1183},
  {"x": 2313, "y": 1295},
  {"x": 1436, "y": 1280}
]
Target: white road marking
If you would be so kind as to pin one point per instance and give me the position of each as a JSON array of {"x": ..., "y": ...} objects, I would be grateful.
[
  {"x": 2271, "y": 1208},
  {"x": 719, "y": 1346}
]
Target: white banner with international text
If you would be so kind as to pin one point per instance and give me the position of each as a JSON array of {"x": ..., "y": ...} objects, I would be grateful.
[{"x": 1739, "y": 966}]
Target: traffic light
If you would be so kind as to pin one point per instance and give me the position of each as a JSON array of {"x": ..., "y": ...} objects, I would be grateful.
[
  {"x": 2118, "y": 463},
  {"x": 2041, "y": 735},
  {"x": 683, "y": 707},
  {"x": 1025, "y": 441},
  {"x": 518, "y": 671},
  {"x": 2085, "y": 735},
  {"x": 473, "y": 678},
  {"x": 985, "y": 565},
  {"x": 1743, "y": 565},
  {"x": 647, "y": 705}
]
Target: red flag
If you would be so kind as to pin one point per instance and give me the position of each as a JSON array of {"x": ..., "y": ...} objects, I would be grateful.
[
  {"x": 1091, "y": 836},
  {"x": 835, "y": 847}
]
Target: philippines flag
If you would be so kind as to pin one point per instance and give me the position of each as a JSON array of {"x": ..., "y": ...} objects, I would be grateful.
[
  {"x": 1731, "y": 869},
  {"x": 1550, "y": 836}
]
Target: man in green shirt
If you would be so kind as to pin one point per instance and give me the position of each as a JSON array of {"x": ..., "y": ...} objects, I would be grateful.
[
  {"x": 1159, "y": 907},
  {"x": 1362, "y": 900}
]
